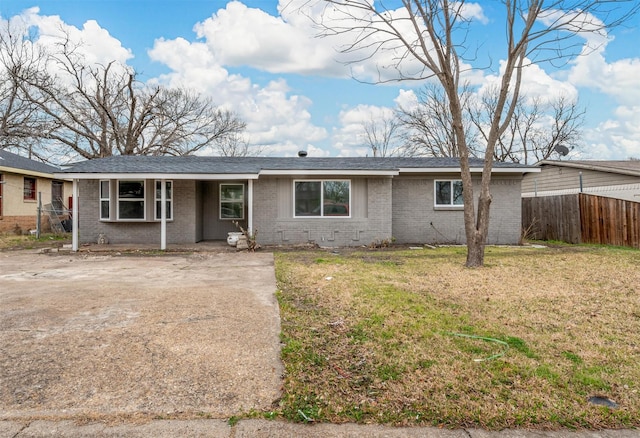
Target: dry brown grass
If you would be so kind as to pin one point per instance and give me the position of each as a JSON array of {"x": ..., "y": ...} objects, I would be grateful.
[{"x": 374, "y": 336}]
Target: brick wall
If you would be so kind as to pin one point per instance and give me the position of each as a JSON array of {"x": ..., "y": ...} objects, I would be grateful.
[
  {"x": 24, "y": 224},
  {"x": 181, "y": 230},
  {"x": 417, "y": 220},
  {"x": 410, "y": 218},
  {"x": 369, "y": 221}
]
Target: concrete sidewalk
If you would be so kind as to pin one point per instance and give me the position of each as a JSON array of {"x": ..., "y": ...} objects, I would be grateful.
[{"x": 265, "y": 428}]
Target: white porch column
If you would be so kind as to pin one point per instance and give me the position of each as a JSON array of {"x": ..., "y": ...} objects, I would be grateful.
[
  {"x": 74, "y": 217},
  {"x": 250, "y": 206},
  {"x": 163, "y": 214}
]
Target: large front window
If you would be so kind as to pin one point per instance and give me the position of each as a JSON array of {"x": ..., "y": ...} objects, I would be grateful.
[
  {"x": 448, "y": 193},
  {"x": 322, "y": 198},
  {"x": 131, "y": 200},
  {"x": 231, "y": 201}
]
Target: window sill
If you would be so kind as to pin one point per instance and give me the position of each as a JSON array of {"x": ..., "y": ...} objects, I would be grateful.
[
  {"x": 448, "y": 207},
  {"x": 321, "y": 217},
  {"x": 134, "y": 221}
]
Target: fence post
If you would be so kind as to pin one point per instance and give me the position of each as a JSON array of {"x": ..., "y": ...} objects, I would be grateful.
[
  {"x": 580, "y": 174},
  {"x": 39, "y": 216}
]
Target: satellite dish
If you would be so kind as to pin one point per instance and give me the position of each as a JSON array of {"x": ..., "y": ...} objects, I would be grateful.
[{"x": 562, "y": 150}]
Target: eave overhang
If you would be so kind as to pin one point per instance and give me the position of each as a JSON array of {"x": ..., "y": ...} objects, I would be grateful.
[
  {"x": 173, "y": 176},
  {"x": 340, "y": 173},
  {"x": 27, "y": 172},
  {"x": 473, "y": 170}
]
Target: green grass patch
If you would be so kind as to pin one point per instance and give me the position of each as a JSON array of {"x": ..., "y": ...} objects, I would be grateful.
[{"x": 414, "y": 338}]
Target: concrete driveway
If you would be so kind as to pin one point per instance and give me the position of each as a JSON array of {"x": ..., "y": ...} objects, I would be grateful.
[{"x": 107, "y": 335}]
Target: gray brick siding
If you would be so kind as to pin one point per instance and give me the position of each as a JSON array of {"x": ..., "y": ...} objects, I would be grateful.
[
  {"x": 417, "y": 220},
  {"x": 381, "y": 208},
  {"x": 369, "y": 221},
  {"x": 181, "y": 230}
]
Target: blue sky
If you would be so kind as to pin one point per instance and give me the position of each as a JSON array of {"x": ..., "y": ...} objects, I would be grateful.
[{"x": 262, "y": 60}]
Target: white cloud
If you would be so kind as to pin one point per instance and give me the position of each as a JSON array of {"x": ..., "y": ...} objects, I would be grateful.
[
  {"x": 472, "y": 11},
  {"x": 274, "y": 116},
  {"x": 536, "y": 83},
  {"x": 615, "y": 139},
  {"x": 94, "y": 42},
  {"x": 619, "y": 79},
  {"x": 241, "y": 36},
  {"x": 618, "y": 136}
]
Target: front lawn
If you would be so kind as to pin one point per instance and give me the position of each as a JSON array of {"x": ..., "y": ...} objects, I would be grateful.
[{"x": 412, "y": 337}]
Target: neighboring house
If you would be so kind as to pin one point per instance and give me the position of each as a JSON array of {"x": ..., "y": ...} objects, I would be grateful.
[
  {"x": 327, "y": 201},
  {"x": 21, "y": 179},
  {"x": 614, "y": 179}
]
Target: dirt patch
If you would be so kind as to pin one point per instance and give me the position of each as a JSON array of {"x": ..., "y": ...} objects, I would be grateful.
[{"x": 87, "y": 335}]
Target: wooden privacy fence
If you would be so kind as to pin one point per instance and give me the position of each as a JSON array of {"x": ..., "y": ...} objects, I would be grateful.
[{"x": 582, "y": 218}]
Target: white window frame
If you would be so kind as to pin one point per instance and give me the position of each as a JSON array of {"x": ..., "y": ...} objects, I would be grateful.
[
  {"x": 322, "y": 215},
  {"x": 435, "y": 194},
  {"x": 168, "y": 199},
  {"x": 144, "y": 200},
  {"x": 106, "y": 199},
  {"x": 226, "y": 201}
]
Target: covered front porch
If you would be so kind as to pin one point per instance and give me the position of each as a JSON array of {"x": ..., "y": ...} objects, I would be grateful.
[{"x": 196, "y": 209}]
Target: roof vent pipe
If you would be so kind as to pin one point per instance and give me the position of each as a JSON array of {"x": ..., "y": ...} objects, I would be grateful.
[{"x": 302, "y": 153}]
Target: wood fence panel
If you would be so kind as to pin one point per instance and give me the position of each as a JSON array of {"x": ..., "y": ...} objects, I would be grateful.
[
  {"x": 609, "y": 221},
  {"x": 552, "y": 218}
]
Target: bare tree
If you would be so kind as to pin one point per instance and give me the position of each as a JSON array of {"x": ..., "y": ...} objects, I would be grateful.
[
  {"x": 101, "y": 110},
  {"x": 380, "y": 135},
  {"x": 19, "y": 119},
  {"x": 537, "y": 130},
  {"x": 430, "y": 38},
  {"x": 428, "y": 126},
  {"x": 237, "y": 146}
]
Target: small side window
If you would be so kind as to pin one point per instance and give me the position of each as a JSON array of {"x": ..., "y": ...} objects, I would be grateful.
[
  {"x": 448, "y": 193},
  {"x": 29, "y": 189}
]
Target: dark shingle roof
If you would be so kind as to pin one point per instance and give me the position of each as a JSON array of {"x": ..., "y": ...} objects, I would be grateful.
[
  {"x": 13, "y": 161},
  {"x": 253, "y": 165}
]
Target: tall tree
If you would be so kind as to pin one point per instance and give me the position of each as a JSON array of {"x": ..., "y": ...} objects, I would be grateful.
[
  {"x": 20, "y": 121},
  {"x": 93, "y": 110},
  {"x": 433, "y": 37}
]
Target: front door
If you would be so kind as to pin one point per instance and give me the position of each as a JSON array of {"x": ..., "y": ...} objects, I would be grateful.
[{"x": 56, "y": 195}]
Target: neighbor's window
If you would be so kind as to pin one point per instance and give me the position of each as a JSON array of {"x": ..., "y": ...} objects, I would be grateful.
[
  {"x": 322, "y": 198},
  {"x": 105, "y": 200},
  {"x": 448, "y": 193},
  {"x": 231, "y": 201},
  {"x": 131, "y": 200},
  {"x": 29, "y": 189},
  {"x": 168, "y": 199}
]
